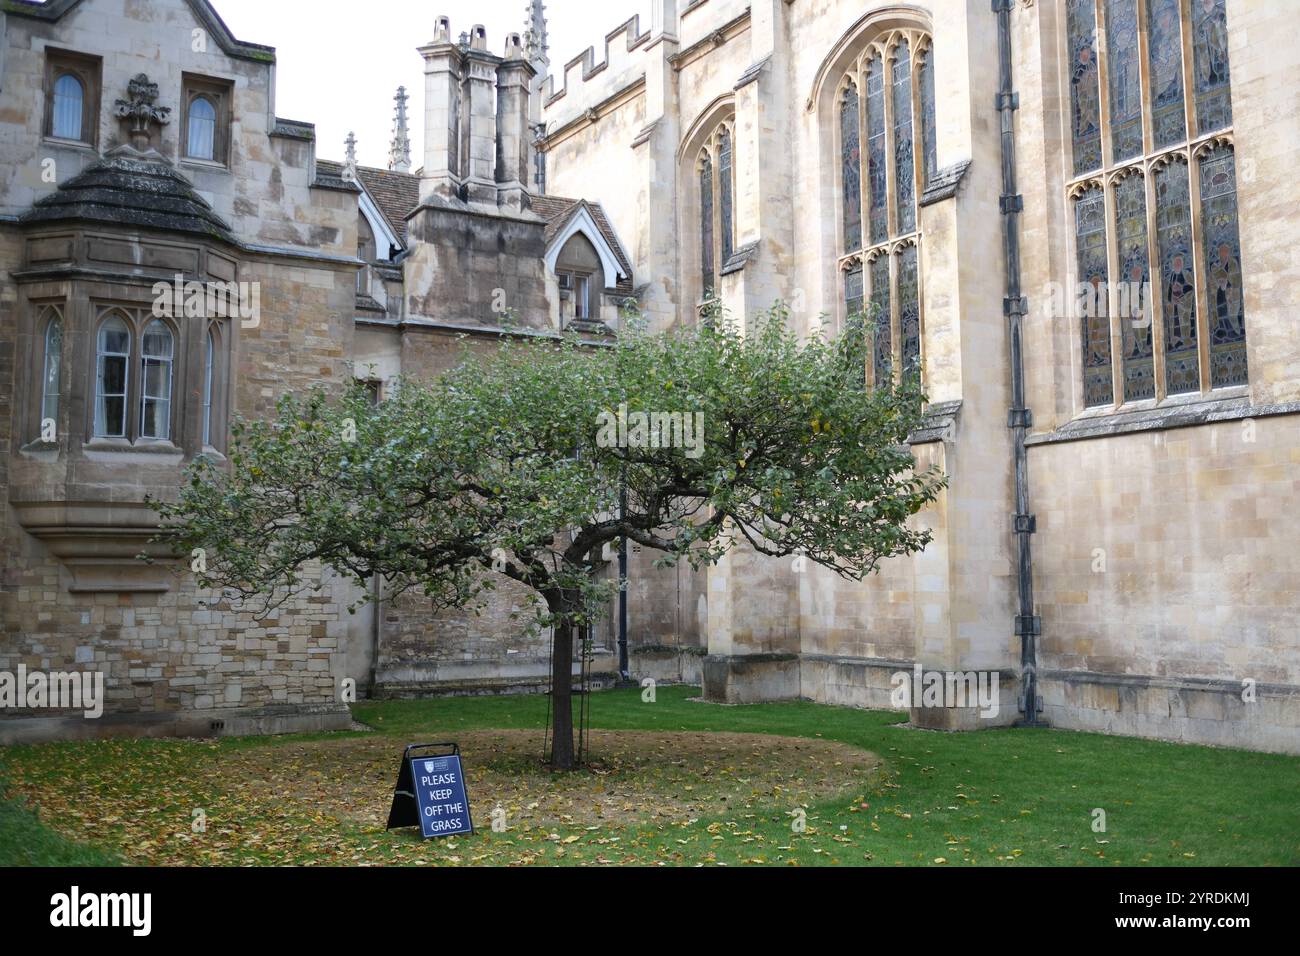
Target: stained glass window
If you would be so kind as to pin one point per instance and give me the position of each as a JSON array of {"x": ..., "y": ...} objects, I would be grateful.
[
  {"x": 851, "y": 156},
  {"x": 879, "y": 126},
  {"x": 853, "y": 293},
  {"x": 1090, "y": 243},
  {"x": 883, "y": 346},
  {"x": 1123, "y": 79},
  {"x": 877, "y": 175},
  {"x": 724, "y": 193},
  {"x": 1223, "y": 292},
  {"x": 1165, "y": 54},
  {"x": 904, "y": 166},
  {"x": 1173, "y": 239},
  {"x": 1177, "y": 278},
  {"x": 1210, "y": 54},
  {"x": 706, "y": 226},
  {"x": 929, "y": 144},
  {"x": 1085, "y": 90},
  {"x": 1132, "y": 288},
  {"x": 909, "y": 311}
]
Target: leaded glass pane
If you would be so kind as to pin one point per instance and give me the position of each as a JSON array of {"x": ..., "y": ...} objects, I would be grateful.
[
  {"x": 877, "y": 173},
  {"x": 52, "y": 373},
  {"x": 1090, "y": 244},
  {"x": 1085, "y": 88},
  {"x": 883, "y": 347},
  {"x": 706, "y": 225},
  {"x": 1213, "y": 79},
  {"x": 1124, "y": 81},
  {"x": 929, "y": 144},
  {"x": 156, "y": 376},
  {"x": 113, "y": 346},
  {"x": 909, "y": 311},
  {"x": 1223, "y": 292},
  {"x": 1132, "y": 290},
  {"x": 724, "y": 192},
  {"x": 853, "y": 295},
  {"x": 904, "y": 167},
  {"x": 1165, "y": 54},
  {"x": 1177, "y": 278},
  {"x": 851, "y": 163}
]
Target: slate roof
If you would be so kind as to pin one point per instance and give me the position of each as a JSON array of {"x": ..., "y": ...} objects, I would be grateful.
[
  {"x": 398, "y": 194},
  {"x": 128, "y": 188}
]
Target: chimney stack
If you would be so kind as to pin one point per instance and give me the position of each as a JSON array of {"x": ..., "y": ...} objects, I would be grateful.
[{"x": 476, "y": 119}]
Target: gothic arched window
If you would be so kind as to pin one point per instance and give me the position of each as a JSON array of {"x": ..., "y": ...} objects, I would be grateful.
[
  {"x": 885, "y": 104},
  {"x": 112, "y": 375},
  {"x": 209, "y": 368},
  {"x": 157, "y": 349},
  {"x": 716, "y": 166},
  {"x": 52, "y": 368},
  {"x": 1154, "y": 199}
]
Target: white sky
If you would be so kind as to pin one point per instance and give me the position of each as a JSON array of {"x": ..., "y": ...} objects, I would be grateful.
[{"x": 340, "y": 63}]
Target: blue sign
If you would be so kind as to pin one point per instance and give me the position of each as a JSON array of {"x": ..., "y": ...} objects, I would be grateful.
[{"x": 440, "y": 796}]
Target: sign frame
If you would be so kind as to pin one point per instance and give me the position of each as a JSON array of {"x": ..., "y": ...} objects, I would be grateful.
[{"x": 406, "y": 810}]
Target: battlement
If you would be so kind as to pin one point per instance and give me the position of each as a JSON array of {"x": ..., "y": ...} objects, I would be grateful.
[{"x": 587, "y": 83}]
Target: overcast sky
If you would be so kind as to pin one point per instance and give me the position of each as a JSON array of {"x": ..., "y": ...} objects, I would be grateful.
[{"x": 339, "y": 63}]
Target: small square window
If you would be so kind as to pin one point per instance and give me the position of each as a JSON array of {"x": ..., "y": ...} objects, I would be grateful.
[
  {"x": 205, "y": 128},
  {"x": 72, "y": 87}
]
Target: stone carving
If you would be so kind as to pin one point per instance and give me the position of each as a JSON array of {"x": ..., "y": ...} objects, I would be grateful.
[{"x": 141, "y": 111}]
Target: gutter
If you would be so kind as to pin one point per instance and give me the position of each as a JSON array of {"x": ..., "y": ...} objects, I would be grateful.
[{"x": 1020, "y": 419}]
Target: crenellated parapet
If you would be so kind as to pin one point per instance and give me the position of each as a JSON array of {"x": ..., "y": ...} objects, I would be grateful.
[{"x": 587, "y": 83}]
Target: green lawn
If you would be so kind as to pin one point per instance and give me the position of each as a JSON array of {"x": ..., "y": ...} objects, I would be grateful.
[{"x": 1003, "y": 797}]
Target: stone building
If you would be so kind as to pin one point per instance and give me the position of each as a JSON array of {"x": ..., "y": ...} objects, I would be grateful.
[{"x": 1067, "y": 216}]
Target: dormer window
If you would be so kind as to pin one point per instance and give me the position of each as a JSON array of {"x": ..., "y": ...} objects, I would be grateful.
[
  {"x": 72, "y": 97},
  {"x": 69, "y": 103},
  {"x": 202, "y": 130},
  {"x": 207, "y": 120}
]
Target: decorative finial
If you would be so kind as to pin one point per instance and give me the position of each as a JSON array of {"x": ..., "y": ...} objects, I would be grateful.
[
  {"x": 536, "y": 43},
  {"x": 140, "y": 109},
  {"x": 350, "y": 161},
  {"x": 399, "y": 151}
]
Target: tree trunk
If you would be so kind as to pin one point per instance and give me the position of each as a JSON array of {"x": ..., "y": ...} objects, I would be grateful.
[{"x": 562, "y": 698}]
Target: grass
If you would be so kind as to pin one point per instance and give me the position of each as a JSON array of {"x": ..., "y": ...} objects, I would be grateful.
[{"x": 1000, "y": 797}]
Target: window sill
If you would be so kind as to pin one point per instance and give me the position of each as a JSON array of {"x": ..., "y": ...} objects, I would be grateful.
[
  {"x": 76, "y": 144},
  {"x": 1182, "y": 411},
  {"x": 48, "y": 452},
  {"x": 207, "y": 165},
  {"x": 106, "y": 448}
]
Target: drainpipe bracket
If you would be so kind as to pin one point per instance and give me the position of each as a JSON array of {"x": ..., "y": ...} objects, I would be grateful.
[
  {"x": 1002, "y": 5},
  {"x": 1026, "y": 524},
  {"x": 1020, "y": 418},
  {"x": 1016, "y": 305},
  {"x": 1028, "y": 626},
  {"x": 1010, "y": 204},
  {"x": 1006, "y": 101}
]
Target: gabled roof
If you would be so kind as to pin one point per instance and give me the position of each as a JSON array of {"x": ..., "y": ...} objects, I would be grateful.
[
  {"x": 54, "y": 10},
  {"x": 396, "y": 194},
  {"x": 559, "y": 212}
]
